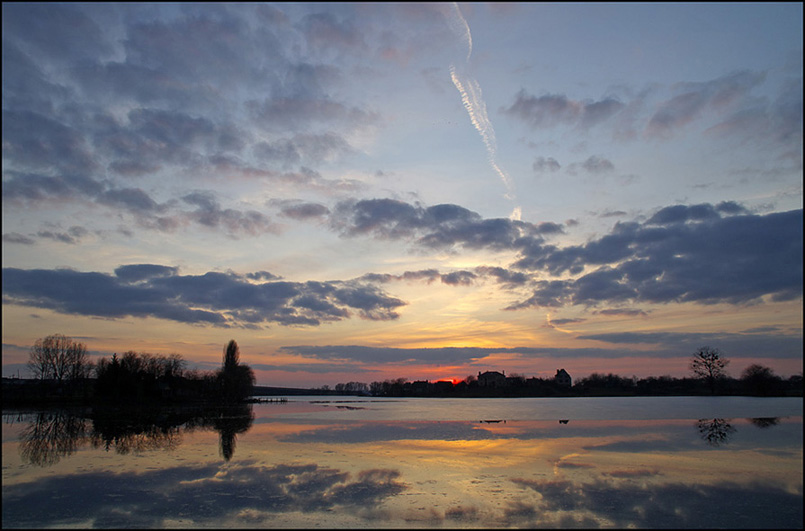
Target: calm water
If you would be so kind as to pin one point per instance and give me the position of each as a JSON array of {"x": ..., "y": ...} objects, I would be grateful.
[{"x": 333, "y": 462}]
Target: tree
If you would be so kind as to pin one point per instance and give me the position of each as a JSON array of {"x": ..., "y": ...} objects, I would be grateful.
[
  {"x": 760, "y": 380},
  {"x": 58, "y": 357},
  {"x": 231, "y": 355},
  {"x": 709, "y": 364},
  {"x": 236, "y": 381}
]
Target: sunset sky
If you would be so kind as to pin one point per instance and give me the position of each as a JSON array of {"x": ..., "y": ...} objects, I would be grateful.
[{"x": 356, "y": 192}]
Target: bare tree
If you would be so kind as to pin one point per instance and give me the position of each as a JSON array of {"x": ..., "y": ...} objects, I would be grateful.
[
  {"x": 709, "y": 365},
  {"x": 60, "y": 358}
]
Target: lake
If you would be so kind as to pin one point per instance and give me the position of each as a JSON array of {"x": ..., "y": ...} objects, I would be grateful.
[{"x": 359, "y": 462}]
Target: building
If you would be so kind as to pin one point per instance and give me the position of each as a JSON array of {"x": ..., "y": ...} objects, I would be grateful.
[
  {"x": 492, "y": 379},
  {"x": 562, "y": 378}
]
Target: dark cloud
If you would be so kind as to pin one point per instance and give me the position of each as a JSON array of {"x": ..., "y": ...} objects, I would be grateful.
[
  {"x": 566, "y": 321},
  {"x": 428, "y": 275},
  {"x": 61, "y": 32},
  {"x": 684, "y": 213},
  {"x": 553, "y": 109},
  {"x": 693, "y": 99},
  {"x": 221, "y": 299},
  {"x": 304, "y": 210},
  {"x": 543, "y": 164},
  {"x": 25, "y": 85},
  {"x": 595, "y": 164},
  {"x": 72, "y": 236},
  {"x": 506, "y": 277},
  {"x": 622, "y": 311},
  {"x": 140, "y": 272},
  {"x": 119, "y": 93},
  {"x": 436, "y": 227},
  {"x": 459, "y": 278},
  {"x": 34, "y": 187},
  {"x": 132, "y": 199},
  {"x": 16, "y": 237},
  {"x": 262, "y": 275},
  {"x": 35, "y": 142},
  {"x": 682, "y": 254}
]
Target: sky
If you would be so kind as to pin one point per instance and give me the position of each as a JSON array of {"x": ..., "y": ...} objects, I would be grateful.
[{"x": 358, "y": 192}]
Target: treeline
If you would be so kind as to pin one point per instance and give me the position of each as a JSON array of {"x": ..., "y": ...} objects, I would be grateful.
[
  {"x": 756, "y": 380},
  {"x": 63, "y": 372}
]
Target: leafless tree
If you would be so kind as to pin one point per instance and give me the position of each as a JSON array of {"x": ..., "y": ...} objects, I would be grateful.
[
  {"x": 58, "y": 357},
  {"x": 709, "y": 364}
]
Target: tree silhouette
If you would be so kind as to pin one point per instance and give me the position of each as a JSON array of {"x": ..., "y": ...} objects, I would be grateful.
[
  {"x": 708, "y": 364},
  {"x": 236, "y": 381},
  {"x": 58, "y": 357},
  {"x": 759, "y": 380}
]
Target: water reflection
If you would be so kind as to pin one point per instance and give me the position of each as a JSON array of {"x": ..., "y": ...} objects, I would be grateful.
[
  {"x": 765, "y": 422},
  {"x": 715, "y": 432},
  {"x": 642, "y": 504},
  {"x": 247, "y": 493},
  {"x": 54, "y": 434},
  {"x": 294, "y": 471}
]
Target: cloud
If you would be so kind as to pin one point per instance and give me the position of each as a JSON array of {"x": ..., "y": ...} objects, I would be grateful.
[
  {"x": 313, "y": 368},
  {"x": 595, "y": 164},
  {"x": 303, "y": 148},
  {"x": 33, "y": 141},
  {"x": 436, "y": 227},
  {"x": 305, "y": 210},
  {"x": 772, "y": 344},
  {"x": 219, "y": 299},
  {"x": 16, "y": 237},
  {"x": 556, "y": 109},
  {"x": 475, "y": 355},
  {"x": 278, "y": 113},
  {"x": 210, "y": 214},
  {"x": 693, "y": 99},
  {"x": 324, "y": 31},
  {"x": 543, "y": 164},
  {"x": 681, "y": 254},
  {"x": 61, "y": 32},
  {"x": 72, "y": 236},
  {"x": 140, "y": 272},
  {"x": 459, "y": 278}
]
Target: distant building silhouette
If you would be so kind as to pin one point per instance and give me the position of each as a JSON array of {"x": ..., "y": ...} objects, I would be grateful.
[
  {"x": 492, "y": 379},
  {"x": 562, "y": 378}
]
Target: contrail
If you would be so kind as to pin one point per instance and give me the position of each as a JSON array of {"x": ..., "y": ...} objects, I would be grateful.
[{"x": 472, "y": 98}]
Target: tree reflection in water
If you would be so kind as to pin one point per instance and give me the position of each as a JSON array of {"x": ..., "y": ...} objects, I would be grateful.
[
  {"x": 52, "y": 435},
  {"x": 229, "y": 422},
  {"x": 765, "y": 422},
  {"x": 715, "y": 432}
]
